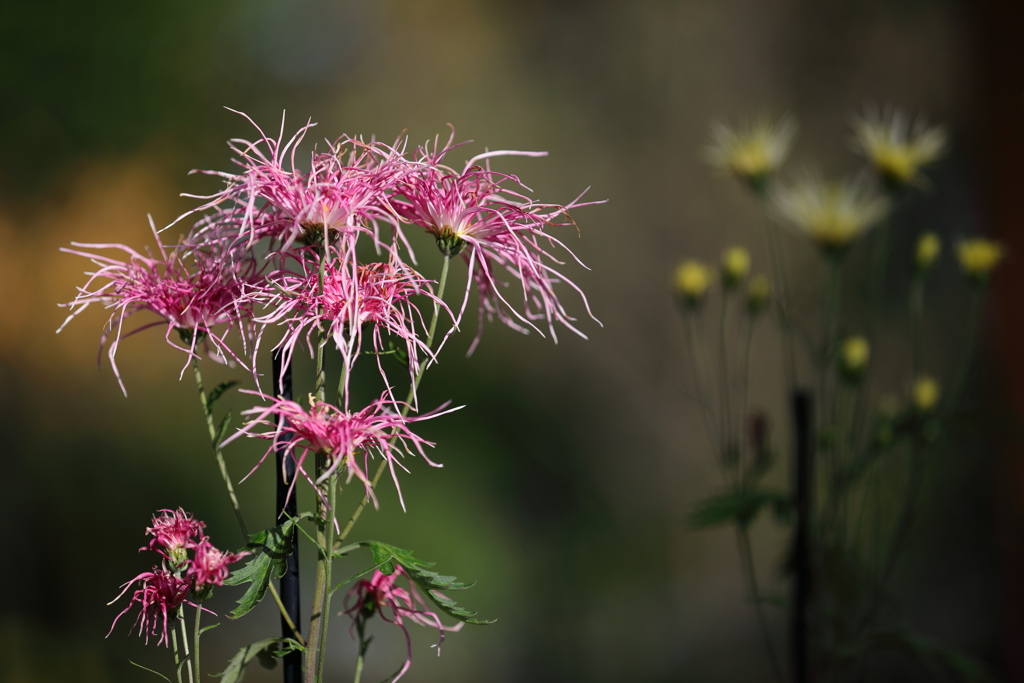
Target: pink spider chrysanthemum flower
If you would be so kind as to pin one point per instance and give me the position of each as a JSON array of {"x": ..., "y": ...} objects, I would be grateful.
[
  {"x": 174, "y": 532},
  {"x": 209, "y": 566},
  {"x": 161, "y": 594},
  {"x": 372, "y": 299},
  {"x": 192, "y": 291},
  {"x": 347, "y": 440},
  {"x": 492, "y": 226},
  {"x": 395, "y": 604},
  {"x": 345, "y": 190}
]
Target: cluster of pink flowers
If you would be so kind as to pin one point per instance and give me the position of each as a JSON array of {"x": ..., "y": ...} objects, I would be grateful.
[
  {"x": 381, "y": 595},
  {"x": 213, "y": 283},
  {"x": 164, "y": 589}
]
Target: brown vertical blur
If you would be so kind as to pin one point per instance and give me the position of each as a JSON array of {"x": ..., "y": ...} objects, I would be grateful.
[{"x": 1000, "y": 68}]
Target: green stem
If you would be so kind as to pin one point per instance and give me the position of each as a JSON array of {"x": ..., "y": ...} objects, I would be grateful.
[
  {"x": 332, "y": 483},
  {"x": 747, "y": 556},
  {"x": 218, "y": 454},
  {"x": 195, "y": 635},
  {"x": 177, "y": 660},
  {"x": 359, "y": 667},
  {"x": 696, "y": 347},
  {"x": 208, "y": 413},
  {"x": 779, "y": 276},
  {"x": 916, "y": 304},
  {"x": 959, "y": 383},
  {"x": 829, "y": 317},
  {"x": 431, "y": 330},
  {"x": 729, "y": 443},
  {"x": 745, "y": 375},
  {"x": 184, "y": 644}
]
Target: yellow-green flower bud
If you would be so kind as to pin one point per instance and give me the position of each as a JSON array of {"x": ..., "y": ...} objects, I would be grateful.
[
  {"x": 735, "y": 266},
  {"x": 926, "y": 393},
  {"x": 853, "y": 357},
  {"x": 978, "y": 256},
  {"x": 758, "y": 292},
  {"x": 929, "y": 246},
  {"x": 691, "y": 281}
]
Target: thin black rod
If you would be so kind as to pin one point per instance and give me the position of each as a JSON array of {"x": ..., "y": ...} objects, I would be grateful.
[
  {"x": 287, "y": 506},
  {"x": 802, "y": 565}
]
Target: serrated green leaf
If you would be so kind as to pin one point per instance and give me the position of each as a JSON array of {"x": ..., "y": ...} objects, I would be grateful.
[
  {"x": 737, "y": 507},
  {"x": 272, "y": 547},
  {"x": 385, "y": 555},
  {"x": 261, "y": 649},
  {"x": 218, "y": 391},
  {"x": 222, "y": 430},
  {"x": 146, "y": 668}
]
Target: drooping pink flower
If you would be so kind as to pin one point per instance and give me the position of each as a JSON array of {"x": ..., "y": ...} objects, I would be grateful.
[
  {"x": 474, "y": 212},
  {"x": 161, "y": 594},
  {"x": 395, "y": 604},
  {"x": 173, "y": 532},
  {"x": 192, "y": 291},
  {"x": 347, "y": 440},
  {"x": 209, "y": 566},
  {"x": 354, "y": 298}
]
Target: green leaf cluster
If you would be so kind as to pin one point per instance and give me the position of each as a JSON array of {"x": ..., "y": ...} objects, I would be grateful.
[
  {"x": 272, "y": 548},
  {"x": 264, "y": 650}
]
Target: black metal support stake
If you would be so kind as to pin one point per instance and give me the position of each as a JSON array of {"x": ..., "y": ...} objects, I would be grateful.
[
  {"x": 285, "y": 476},
  {"x": 802, "y": 565}
]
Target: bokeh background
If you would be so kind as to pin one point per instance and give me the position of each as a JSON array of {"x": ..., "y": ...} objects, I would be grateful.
[{"x": 569, "y": 475}]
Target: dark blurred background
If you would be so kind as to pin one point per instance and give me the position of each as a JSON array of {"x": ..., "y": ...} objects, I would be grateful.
[{"x": 569, "y": 475}]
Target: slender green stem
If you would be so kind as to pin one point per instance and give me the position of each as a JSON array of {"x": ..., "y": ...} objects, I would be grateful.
[
  {"x": 829, "y": 318},
  {"x": 195, "y": 635},
  {"x": 916, "y": 305},
  {"x": 747, "y": 556},
  {"x": 748, "y": 343},
  {"x": 730, "y": 444},
  {"x": 177, "y": 659},
  {"x": 218, "y": 454},
  {"x": 431, "y": 330},
  {"x": 779, "y": 276},
  {"x": 208, "y": 413},
  {"x": 325, "y": 511},
  {"x": 332, "y": 484},
  {"x": 359, "y": 666},
  {"x": 184, "y": 644},
  {"x": 696, "y": 347},
  {"x": 959, "y": 383}
]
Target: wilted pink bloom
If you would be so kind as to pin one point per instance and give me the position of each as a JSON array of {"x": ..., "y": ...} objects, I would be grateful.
[
  {"x": 174, "y": 531},
  {"x": 347, "y": 440},
  {"x": 355, "y": 298},
  {"x": 380, "y": 595},
  {"x": 345, "y": 190},
  {"x": 492, "y": 226},
  {"x": 209, "y": 566},
  {"x": 192, "y": 291},
  {"x": 159, "y": 597}
]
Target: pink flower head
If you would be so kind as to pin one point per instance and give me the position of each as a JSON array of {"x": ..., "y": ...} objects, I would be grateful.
[
  {"x": 380, "y": 595},
  {"x": 344, "y": 191},
  {"x": 345, "y": 439},
  {"x": 355, "y": 298},
  {"x": 209, "y": 566},
  {"x": 473, "y": 214},
  {"x": 192, "y": 291},
  {"x": 174, "y": 532},
  {"x": 159, "y": 597}
]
